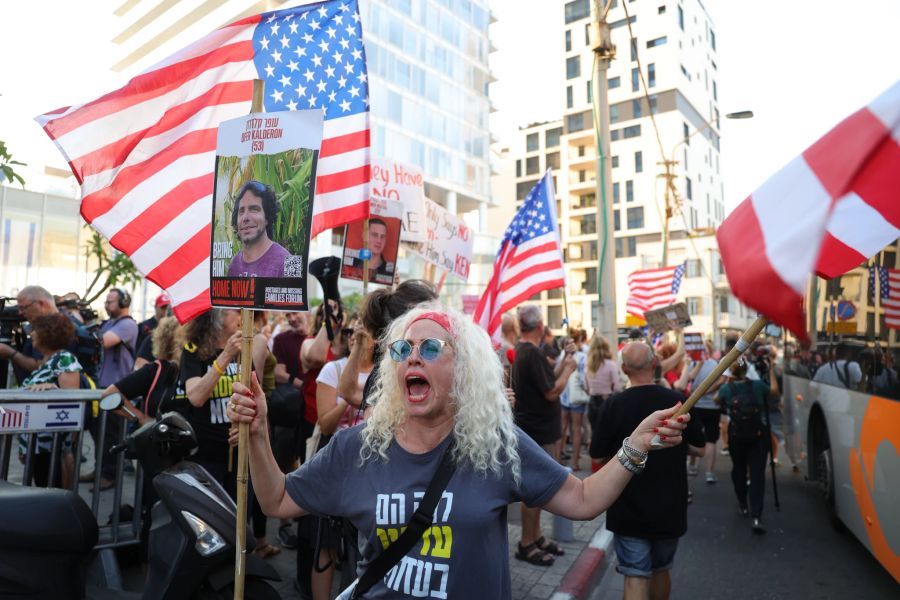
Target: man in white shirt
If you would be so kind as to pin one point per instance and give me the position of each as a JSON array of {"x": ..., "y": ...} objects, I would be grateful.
[{"x": 840, "y": 372}]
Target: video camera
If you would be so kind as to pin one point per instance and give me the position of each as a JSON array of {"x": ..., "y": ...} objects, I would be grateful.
[
  {"x": 760, "y": 359},
  {"x": 11, "y": 331},
  {"x": 88, "y": 314}
]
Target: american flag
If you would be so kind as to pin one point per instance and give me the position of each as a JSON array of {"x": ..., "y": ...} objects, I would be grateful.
[
  {"x": 827, "y": 211},
  {"x": 653, "y": 288},
  {"x": 10, "y": 419},
  {"x": 529, "y": 260},
  {"x": 144, "y": 154},
  {"x": 889, "y": 289}
]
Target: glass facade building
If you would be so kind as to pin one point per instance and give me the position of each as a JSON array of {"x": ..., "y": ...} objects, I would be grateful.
[{"x": 429, "y": 79}]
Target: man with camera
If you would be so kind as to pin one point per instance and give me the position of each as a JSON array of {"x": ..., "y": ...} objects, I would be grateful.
[
  {"x": 33, "y": 302},
  {"x": 118, "y": 335}
]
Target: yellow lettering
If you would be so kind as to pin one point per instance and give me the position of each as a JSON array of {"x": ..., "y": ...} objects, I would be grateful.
[
  {"x": 443, "y": 541},
  {"x": 388, "y": 535}
]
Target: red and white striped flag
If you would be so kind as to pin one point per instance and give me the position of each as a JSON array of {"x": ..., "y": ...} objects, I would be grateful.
[
  {"x": 827, "y": 211},
  {"x": 529, "y": 260},
  {"x": 145, "y": 153},
  {"x": 653, "y": 288},
  {"x": 888, "y": 281}
]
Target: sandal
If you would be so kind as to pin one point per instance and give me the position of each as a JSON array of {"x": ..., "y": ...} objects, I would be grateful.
[
  {"x": 549, "y": 547},
  {"x": 265, "y": 551},
  {"x": 533, "y": 554}
]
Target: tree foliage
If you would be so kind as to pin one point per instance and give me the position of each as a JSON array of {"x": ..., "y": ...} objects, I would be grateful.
[
  {"x": 113, "y": 268},
  {"x": 6, "y": 162}
]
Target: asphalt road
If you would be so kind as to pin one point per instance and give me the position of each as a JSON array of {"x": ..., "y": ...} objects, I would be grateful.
[{"x": 801, "y": 556}]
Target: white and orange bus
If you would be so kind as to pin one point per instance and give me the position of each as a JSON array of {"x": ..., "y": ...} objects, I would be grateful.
[{"x": 842, "y": 403}]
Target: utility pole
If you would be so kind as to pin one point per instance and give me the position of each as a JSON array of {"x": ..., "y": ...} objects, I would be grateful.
[
  {"x": 604, "y": 51},
  {"x": 671, "y": 202}
]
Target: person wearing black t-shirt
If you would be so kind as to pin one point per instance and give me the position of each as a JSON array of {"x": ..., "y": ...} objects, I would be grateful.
[
  {"x": 651, "y": 514},
  {"x": 537, "y": 386},
  {"x": 209, "y": 367},
  {"x": 157, "y": 384}
]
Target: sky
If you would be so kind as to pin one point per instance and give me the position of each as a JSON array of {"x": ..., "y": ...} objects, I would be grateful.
[{"x": 800, "y": 65}]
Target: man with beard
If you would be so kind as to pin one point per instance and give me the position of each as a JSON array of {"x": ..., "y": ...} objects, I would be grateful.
[{"x": 253, "y": 221}]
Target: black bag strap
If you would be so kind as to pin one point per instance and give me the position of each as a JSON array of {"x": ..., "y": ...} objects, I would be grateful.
[
  {"x": 420, "y": 521},
  {"x": 845, "y": 380}
]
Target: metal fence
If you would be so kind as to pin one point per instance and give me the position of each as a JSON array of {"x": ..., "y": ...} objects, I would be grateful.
[{"x": 32, "y": 419}]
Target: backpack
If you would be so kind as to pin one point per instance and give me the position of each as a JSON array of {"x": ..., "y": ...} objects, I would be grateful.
[{"x": 745, "y": 412}]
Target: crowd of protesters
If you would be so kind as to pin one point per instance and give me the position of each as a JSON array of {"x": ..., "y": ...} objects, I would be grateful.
[{"x": 406, "y": 381}]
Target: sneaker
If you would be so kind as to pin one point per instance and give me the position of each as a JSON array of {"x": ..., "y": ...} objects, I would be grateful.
[
  {"x": 757, "y": 527},
  {"x": 286, "y": 537},
  {"x": 693, "y": 470},
  {"x": 711, "y": 477},
  {"x": 724, "y": 451}
]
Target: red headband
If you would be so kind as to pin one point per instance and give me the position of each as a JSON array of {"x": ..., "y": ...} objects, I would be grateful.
[{"x": 439, "y": 318}]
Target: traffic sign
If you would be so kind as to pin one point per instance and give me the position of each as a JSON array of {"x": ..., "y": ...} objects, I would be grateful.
[{"x": 846, "y": 310}]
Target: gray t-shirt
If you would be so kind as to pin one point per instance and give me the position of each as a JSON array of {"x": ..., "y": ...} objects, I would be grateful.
[
  {"x": 465, "y": 553},
  {"x": 118, "y": 361},
  {"x": 706, "y": 400}
]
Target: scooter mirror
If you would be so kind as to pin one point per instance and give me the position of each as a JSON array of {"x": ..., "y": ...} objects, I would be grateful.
[{"x": 111, "y": 402}]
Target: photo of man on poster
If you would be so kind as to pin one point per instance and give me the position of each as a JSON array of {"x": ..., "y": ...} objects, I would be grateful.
[
  {"x": 253, "y": 221},
  {"x": 384, "y": 237}
]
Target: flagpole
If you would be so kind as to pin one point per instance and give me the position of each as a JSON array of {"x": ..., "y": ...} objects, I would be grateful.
[
  {"x": 566, "y": 305},
  {"x": 240, "y": 550},
  {"x": 740, "y": 347}
]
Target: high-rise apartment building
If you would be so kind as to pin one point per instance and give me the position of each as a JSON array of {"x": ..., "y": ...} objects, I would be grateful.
[{"x": 663, "y": 104}]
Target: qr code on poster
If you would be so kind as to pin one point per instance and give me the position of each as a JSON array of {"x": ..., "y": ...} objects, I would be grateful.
[{"x": 293, "y": 266}]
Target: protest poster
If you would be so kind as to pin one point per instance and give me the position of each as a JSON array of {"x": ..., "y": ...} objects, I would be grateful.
[
  {"x": 663, "y": 318},
  {"x": 262, "y": 207},
  {"x": 470, "y": 303},
  {"x": 693, "y": 345},
  {"x": 392, "y": 180},
  {"x": 448, "y": 240},
  {"x": 384, "y": 242}
]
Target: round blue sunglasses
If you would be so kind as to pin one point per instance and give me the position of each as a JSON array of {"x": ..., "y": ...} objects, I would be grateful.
[{"x": 429, "y": 349}]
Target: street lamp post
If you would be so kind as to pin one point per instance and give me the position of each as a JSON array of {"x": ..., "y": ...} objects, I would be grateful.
[
  {"x": 672, "y": 199},
  {"x": 604, "y": 52}
]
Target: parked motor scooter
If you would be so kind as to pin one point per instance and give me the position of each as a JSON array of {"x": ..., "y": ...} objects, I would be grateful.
[{"x": 192, "y": 537}]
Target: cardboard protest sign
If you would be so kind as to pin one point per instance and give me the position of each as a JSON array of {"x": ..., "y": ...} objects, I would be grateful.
[
  {"x": 403, "y": 183},
  {"x": 693, "y": 345},
  {"x": 449, "y": 241},
  {"x": 384, "y": 242},
  {"x": 660, "y": 319},
  {"x": 262, "y": 207}
]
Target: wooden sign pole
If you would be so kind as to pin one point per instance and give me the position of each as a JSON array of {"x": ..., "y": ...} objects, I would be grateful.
[
  {"x": 740, "y": 347},
  {"x": 240, "y": 556}
]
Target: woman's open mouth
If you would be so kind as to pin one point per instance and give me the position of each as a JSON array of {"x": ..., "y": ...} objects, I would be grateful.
[{"x": 417, "y": 388}]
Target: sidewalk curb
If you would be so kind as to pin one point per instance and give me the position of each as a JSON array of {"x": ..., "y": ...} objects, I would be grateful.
[{"x": 588, "y": 568}]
